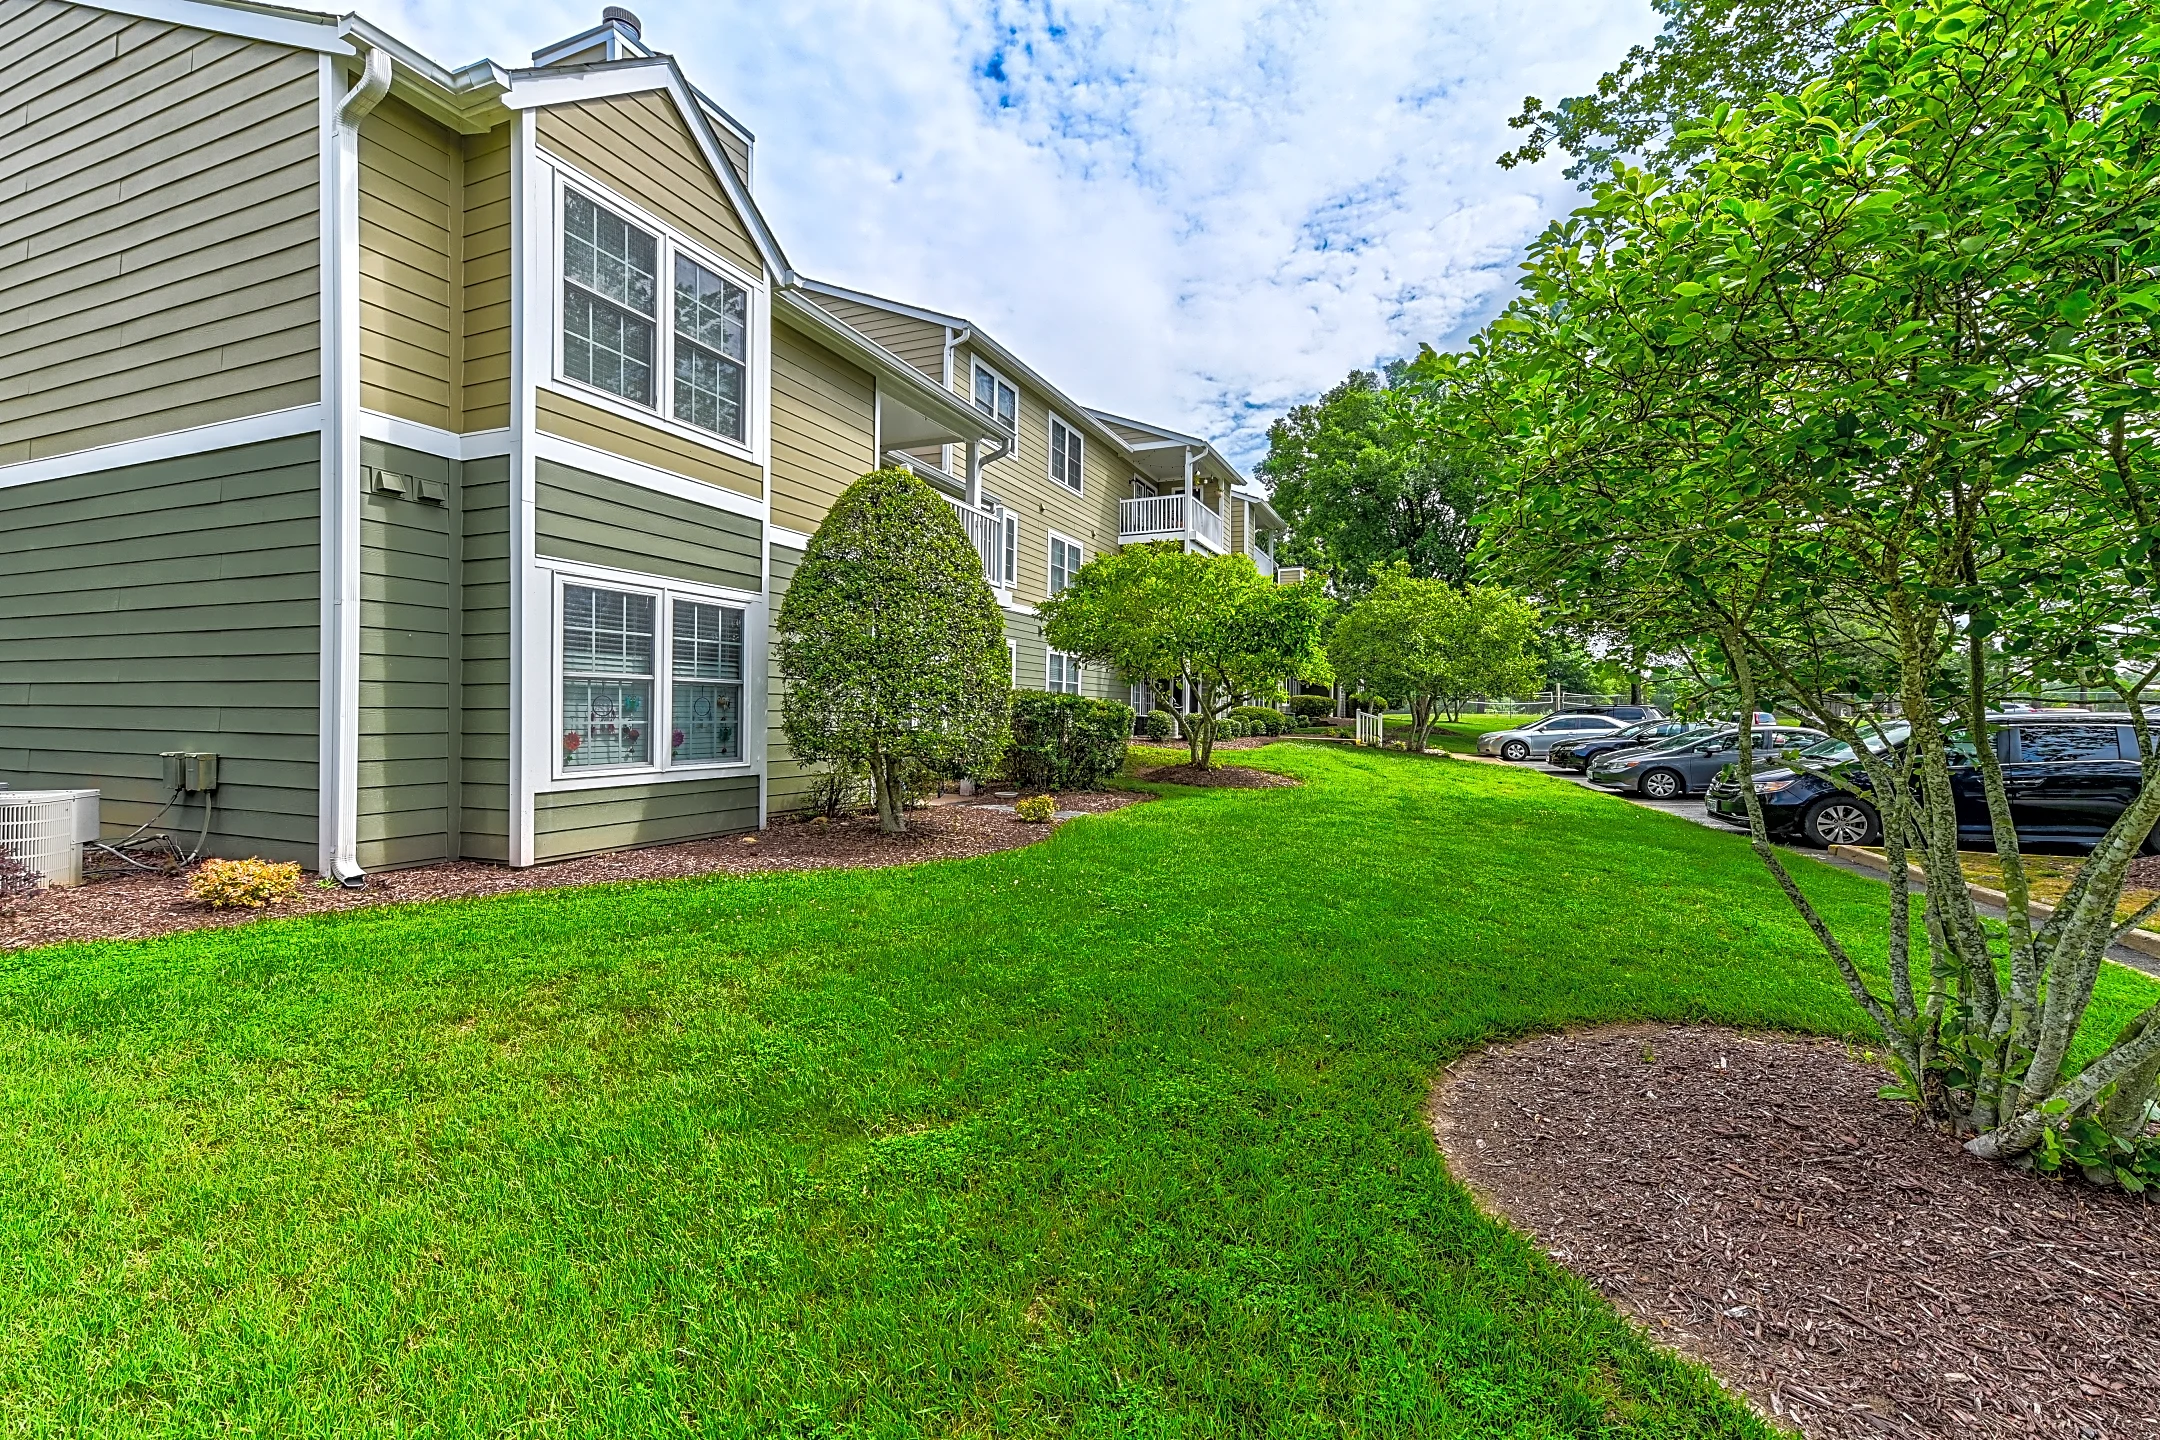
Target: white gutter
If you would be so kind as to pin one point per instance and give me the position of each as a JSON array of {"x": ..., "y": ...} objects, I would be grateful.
[{"x": 339, "y": 744}]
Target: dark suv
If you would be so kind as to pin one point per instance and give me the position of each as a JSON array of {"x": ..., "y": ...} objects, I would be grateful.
[
  {"x": 1576, "y": 755},
  {"x": 2068, "y": 775}
]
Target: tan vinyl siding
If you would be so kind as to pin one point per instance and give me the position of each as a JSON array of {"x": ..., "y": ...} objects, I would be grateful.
[
  {"x": 570, "y": 823},
  {"x": 169, "y": 606},
  {"x": 407, "y": 611},
  {"x": 598, "y": 521},
  {"x": 823, "y": 423},
  {"x": 485, "y": 238},
  {"x": 1023, "y": 482},
  {"x": 735, "y": 148},
  {"x": 411, "y": 209},
  {"x": 638, "y": 146},
  {"x": 484, "y": 695},
  {"x": 787, "y": 783},
  {"x": 919, "y": 342},
  {"x": 574, "y": 419},
  {"x": 158, "y": 237}
]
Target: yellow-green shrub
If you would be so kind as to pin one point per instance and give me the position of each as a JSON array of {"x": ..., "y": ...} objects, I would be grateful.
[
  {"x": 247, "y": 884},
  {"x": 1037, "y": 809}
]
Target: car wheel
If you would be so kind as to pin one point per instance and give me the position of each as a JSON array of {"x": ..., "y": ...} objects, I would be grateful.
[
  {"x": 2152, "y": 841},
  {"x": 1841, "y": 821},
  {"x": 1514, "y": 750},
  {"x": 1662, "y": 785}
]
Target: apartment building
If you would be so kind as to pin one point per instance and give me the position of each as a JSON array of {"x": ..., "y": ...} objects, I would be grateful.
[{"x": 433, "y": 446}]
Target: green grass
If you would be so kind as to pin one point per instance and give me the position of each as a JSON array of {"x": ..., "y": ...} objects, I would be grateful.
[
  {"x": 1461, "y": 736},
  {"x": 1117, "y": 1135}
]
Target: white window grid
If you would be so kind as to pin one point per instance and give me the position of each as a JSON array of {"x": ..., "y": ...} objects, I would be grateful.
[
  {"x": 1065, "y": 559},
  {"x": 994, "y": 395},
  {"x": 1061, "y": 672},
  {"x": 671, "y": 248}
]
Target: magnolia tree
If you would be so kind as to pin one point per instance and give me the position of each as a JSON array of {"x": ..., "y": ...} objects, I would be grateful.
[
  {"x": 1866, "y": 401},
  {"x": 892, "y": 644},
  {"x": 1425, "y": 643},
  {"x": 1162, "y": 614}
]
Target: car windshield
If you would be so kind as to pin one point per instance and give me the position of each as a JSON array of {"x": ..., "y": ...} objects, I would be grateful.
[
  {"x": 1687, "y": 738},
  {"x": 1879, "y": 738}
]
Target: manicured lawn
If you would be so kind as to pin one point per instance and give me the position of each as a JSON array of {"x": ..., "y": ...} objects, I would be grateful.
[{"x": 1118, "y": 1135}]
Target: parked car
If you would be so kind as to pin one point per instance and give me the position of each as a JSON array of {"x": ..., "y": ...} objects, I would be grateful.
[
  {"x": 1537, "y": 737},
  {"x": 1633, "y": 714},
  {"x": 2068, "y": 774},
  {"x": 1687, "y": 765},
  {"x": 1577, "y": 754}
]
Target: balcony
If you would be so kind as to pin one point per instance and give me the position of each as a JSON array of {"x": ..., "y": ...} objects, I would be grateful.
[
  {"x": 1262, "y": 561},
  {"x": 983, "y": 533},
  {"x": 1169, "y": 517}
]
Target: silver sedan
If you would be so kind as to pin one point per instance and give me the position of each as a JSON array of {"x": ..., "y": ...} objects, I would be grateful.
[{"x": 1534, "y": 740}]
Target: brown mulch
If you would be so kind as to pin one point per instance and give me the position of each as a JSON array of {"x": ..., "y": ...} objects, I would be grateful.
[
  {"x": 1228, "y": 777},
  {"x": 1752, "y": 1203},
  {"x": 2144, "y": 873},
  {"x": 141, "y": 906}
]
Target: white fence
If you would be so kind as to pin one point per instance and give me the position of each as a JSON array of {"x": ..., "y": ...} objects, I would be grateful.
[
  {"x": 1371, "y": 729},
  {"x": 1160, "y": 517},
  {"x": 983, "y": 533}
]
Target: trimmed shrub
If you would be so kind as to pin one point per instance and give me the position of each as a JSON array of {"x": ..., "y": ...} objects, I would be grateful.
[
  {"x": 1161, "y": 725},
  {"x": 1258, "y": 719},
  {"x": 1066, "y": 742},
  {"x": 1037, "y": 809},
  {"x": 247, "y": 884},
  {"x": 1311, "y": 707}
]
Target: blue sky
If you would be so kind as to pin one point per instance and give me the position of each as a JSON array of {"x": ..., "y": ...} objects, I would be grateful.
[{"x": 1197, "y": 213}]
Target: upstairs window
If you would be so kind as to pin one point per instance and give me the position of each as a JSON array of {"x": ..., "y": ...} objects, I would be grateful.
[
  {"x": 712, "y": 349},
  {"x": 1064, "y": 455},
  {"x": 1062, "y": 675},
  {"x": 1064, "y": 562},
  {"x": 994, "y": 397},
  {"x": 1011, "y": 547},
  {"x": 619, "y": 337},
  {"x": 611, "y": 274}
]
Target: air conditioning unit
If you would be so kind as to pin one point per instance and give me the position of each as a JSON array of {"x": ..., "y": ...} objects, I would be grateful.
[
  {"x": 44, "y": 831},
  {"x": 1289, "y": 574}
]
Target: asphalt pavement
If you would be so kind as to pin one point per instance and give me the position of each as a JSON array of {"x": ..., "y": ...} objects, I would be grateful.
[{"x": 1691, "y": 808}]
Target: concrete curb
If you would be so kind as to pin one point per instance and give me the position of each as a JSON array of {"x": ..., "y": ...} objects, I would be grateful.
[{"x": 2145, "y": 942}]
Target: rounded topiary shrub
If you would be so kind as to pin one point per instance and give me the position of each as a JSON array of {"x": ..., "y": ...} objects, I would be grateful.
[
  {"x": 1161, "y": 725},
  {"x": 1312, "y": 707},
  {"x": 1066, "y": 742},
  {"x": 1258, "y": 719}
]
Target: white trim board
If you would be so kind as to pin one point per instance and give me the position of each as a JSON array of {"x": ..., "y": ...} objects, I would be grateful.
[
  {"x": 171, "y": 445},
  {"x": 604, "y": 462},
  {"x": 433, "y": 440},
  {"x": 792, "y": 539},
  {"x": 250, "y": 23}
]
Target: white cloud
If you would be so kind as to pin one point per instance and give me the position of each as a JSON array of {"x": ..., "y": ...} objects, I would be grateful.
[{"x": 1199, "y": 213}]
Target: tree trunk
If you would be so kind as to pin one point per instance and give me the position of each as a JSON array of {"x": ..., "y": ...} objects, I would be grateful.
[
  {"x": 891, "y": 804},
  {"x": 1421, "y": 707}
]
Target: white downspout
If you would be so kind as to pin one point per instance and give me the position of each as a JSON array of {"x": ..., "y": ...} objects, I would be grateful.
[{"x": 340, "y": 747}]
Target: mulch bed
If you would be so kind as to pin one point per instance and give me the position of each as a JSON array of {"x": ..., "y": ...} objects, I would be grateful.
[
  {"x": 2144, "y": 873},
  {"x": 1753, "y": 1204},
  {"x": 1229, "y": 777},
  {"x": 138, "y": 907}
]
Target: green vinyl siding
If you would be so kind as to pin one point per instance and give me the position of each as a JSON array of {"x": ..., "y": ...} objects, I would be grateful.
[
  {"x": 570, "y": 823},
  {"x": 598, "y": 521},
  {"x": 787, "y": 783},
  {"x": 408, "y": 764},
  {"x": 484, "y": 585},
  {"x": 169, "y": 606},
  {"x": 1098, "y": 681}
]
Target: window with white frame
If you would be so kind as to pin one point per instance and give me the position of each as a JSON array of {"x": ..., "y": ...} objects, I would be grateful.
[
  {"x": 618, "y": 679},
  {"x": 617, "y": 336},
  {"x": 995, "y": 397},
  {"x": 1064, "y": 562},
  {"x": 1064, "y": 455},
  {"x": 1011, "y": 548},
  {"x": 1012, "y": 660},
  {"x": 1062, "y": 675}
]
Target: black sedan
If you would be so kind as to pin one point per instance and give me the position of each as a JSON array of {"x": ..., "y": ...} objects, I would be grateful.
[
  {"x": 2068, "y": 775},
  {"x": 1576, "y": 755}
]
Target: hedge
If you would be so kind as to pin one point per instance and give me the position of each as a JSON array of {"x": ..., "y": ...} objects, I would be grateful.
[
  {"x": 1312, "y": 707},
  {"x": 1259, "y": 720},
  {"x": 1066, "y": 742}
]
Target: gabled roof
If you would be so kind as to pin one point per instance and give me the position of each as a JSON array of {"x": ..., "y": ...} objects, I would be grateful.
[
  {"x": 998, "y": 355},
  {"x": 1143, "y": 438}
]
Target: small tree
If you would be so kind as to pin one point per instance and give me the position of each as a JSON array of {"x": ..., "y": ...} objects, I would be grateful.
[
  {"x": 1162, "y": 614},
  {"x": 892, "y": 644},
  {"x": 1424, "y": 643}
]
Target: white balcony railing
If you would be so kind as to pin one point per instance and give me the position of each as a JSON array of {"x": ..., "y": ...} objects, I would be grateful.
[
  {"x": 982, "y": 532},
  {"x": 1169, "y": 517},
  {"x": 1262, "y": 561}
]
